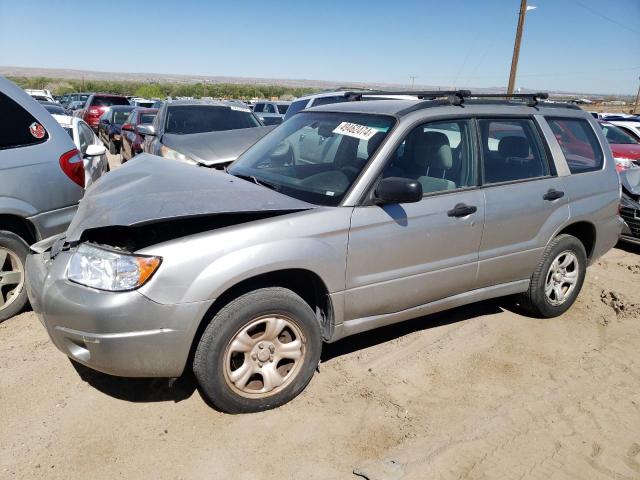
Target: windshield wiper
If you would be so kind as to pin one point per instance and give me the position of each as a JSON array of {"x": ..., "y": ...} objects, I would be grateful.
[{"x": 262, "y": 183}]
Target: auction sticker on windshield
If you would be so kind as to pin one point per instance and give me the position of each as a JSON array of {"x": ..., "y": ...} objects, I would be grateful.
[
  {"x": 239, "y": 109},
  {"x": 356, "y": 131}
]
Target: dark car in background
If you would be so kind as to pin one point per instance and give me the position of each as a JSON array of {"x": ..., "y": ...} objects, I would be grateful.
[
  {"x": 75, "y": 97},
  {"x": 202, "y": 132},
  {"x": 110, "y": 125},
  {"x": 630, "y": 204},
  {"x": 131, "y": 141},
  {"x": 97, "y": 104},
  {"x": 54, "y": 108}
]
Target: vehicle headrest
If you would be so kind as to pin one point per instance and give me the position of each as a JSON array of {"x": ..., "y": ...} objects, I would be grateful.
[
  {"x": 325, "y": 130},
  {"x": 513, "y": 147},
  {"x": 433, "y": 149}
]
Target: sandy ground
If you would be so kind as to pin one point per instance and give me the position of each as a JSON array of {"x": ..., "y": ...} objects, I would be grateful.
[{"x": 476, "y": 392}]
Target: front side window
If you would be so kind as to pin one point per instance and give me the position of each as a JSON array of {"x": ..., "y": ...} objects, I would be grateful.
[
  {"x": 295, "y": 107},
  {"x": 86, "y": 136},
  {"x": 259, "y": 108},
  {"x": 188, "y": 119},
  {"x": 282, "y": 108},
  {"x": 314, "y": 157},
  {"x": 147, "y": 118},
  {"x": 18, "y": 128},
  {"x": 269, "y": 108},
  {"x": 511, "y": 150},
  {"x": 578, "y": 143},
  {"x": 439, "y": 155}
]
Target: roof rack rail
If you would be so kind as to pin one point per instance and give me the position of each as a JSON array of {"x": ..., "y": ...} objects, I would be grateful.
[
  {"x": 456, "y": 97},
  {"x": 532, "y": 98}
]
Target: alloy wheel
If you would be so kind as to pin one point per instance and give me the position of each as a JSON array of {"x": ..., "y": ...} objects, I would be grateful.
[
  {"x": 561, "y": 278},
  {"x": 11, "y": 277},
  {"x": 264, "y": 356}
]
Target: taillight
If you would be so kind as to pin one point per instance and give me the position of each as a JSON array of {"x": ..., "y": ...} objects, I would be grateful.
[{"x": 73, "y": 166}]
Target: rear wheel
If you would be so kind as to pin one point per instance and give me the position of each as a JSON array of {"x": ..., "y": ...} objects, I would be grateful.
[
  {"x": 557, "y": 281},
  {"x": 13, "y": 294},
  {"x": 258, "y": 352}
]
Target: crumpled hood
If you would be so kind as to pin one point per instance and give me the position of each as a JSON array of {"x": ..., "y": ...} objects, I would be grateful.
[
  {"x": 150, "y": 189},
  {"x": 211, "y": 148},
  {"x": 630, "y": 180}
]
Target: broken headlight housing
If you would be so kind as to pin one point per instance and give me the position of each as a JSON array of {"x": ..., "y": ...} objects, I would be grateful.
[
  {"x": 110, "y": 270},
  {"x": 172, "y": 154}
]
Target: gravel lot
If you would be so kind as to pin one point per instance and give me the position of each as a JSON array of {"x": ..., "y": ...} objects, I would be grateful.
[{"x": 477, "y": 392}]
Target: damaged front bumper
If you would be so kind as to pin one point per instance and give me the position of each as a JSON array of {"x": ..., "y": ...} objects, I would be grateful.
[{"x": 119, "y": 333}]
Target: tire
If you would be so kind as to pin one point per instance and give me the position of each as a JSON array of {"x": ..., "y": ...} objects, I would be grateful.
[
  {"x": 13, "y": 294},
  {"x": 551, "y": 294},
  {"x": 113, "y": 148},
  {"x": 230, "y": 372}
]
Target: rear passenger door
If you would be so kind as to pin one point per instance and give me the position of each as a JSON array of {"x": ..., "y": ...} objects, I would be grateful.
[
  {"x": 405, "y": 255},
  {"x": 525, "y": 199}
]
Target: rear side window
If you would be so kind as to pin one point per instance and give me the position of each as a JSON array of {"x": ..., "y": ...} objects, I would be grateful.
[
  {"x": 329, "y": 100},
  {"x": 578, "y": 143},
  {"x": 259, "y": 108},
  {"x": 18, "y": 128},
  {"x": 511, "y": 150}
]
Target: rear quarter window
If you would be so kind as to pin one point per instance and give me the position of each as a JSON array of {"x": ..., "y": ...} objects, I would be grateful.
[
  {"x": 578, "y": 143},
  {"x": 18, "y": 128}
]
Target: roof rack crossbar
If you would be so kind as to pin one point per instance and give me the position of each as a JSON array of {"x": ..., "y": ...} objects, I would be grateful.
[
  {"x": 532, "y": 98},
  {"x": 456, "y": 97}
]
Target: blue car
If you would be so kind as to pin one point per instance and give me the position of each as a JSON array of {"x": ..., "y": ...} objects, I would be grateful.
[{"x": 109, "y": 128}]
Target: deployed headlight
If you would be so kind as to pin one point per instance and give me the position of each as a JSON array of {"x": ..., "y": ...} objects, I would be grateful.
[
  {"x": 110, "y": 270},
  {"x": 171, "y": 154}
]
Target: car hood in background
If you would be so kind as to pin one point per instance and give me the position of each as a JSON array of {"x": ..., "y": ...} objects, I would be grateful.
[
  {"x": 623, "y": 150},
  {"x": 212, "y": 148},
  {"x": 151, "y": 189}
]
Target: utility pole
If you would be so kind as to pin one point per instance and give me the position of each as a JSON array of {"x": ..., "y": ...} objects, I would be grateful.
[
  {"x": 516, "y": 46},
  {"x": 413, "y": 80},
  {"x": 635, "y": 109}
]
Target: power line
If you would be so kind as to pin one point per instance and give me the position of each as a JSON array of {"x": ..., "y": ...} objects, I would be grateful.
[{"x": 602, "y": 15}]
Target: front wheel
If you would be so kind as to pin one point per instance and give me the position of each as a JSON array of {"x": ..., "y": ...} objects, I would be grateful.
[
  {"x": 557, "y": 281},
  {"x": 259, "y": 352}
]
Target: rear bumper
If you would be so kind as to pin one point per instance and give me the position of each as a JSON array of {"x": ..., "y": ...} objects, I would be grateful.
[{"x": 124, "y": 333}]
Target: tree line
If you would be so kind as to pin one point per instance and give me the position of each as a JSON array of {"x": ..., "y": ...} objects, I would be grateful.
[{"x": 161, "y": 89}]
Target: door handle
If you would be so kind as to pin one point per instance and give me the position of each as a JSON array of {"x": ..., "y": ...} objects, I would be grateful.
[
  {"x": 552, "y": 195},
  {"x": 462, "y": 210}
]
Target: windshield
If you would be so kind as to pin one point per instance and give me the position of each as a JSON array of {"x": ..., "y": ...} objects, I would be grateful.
[
  {"x": 120, "y": 116},
  {"x": 147, "y": 117},
  {"x": 108, "y": 101},
  {"x": 314, "y": 157},
  {"x": 617, "y": 136},
  {"x": 55, "y": 109},
  {"x": 208, "y": 118}
]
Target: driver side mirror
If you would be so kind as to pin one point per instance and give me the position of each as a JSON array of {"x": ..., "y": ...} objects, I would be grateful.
[
  {"x": 94, "y": 150},
  {"x": 397, "y": 190},
  {"x": 146, "y": 129}
]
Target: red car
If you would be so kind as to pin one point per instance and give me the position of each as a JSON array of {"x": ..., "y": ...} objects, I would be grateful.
[
  {"x": 625, "y": 148},
  {"x": 96, "y": 105},
  {"x": 130, "y": 139}
]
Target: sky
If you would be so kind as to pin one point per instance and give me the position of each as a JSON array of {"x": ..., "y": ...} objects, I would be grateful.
[{"x": 588, "y": 46}]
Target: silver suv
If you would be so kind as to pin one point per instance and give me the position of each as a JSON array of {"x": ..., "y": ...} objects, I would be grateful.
[
  {"x": 41, "y": 181},
  {"x": 344, "y": 218}
]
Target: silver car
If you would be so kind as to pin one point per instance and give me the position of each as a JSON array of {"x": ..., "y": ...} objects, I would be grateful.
[
  {"x": 41, "y": 181},
  {"x": 345, "y": 218}
]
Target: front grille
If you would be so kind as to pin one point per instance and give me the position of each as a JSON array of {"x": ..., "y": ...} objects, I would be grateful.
[{"x": 634, "y": 223}]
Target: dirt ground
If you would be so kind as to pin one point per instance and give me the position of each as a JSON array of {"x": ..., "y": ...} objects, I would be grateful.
[{"x": 477, "y": 392}]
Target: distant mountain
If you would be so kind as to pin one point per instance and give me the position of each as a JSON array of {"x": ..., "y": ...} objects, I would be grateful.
[{"x": 63, "y": 73}]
